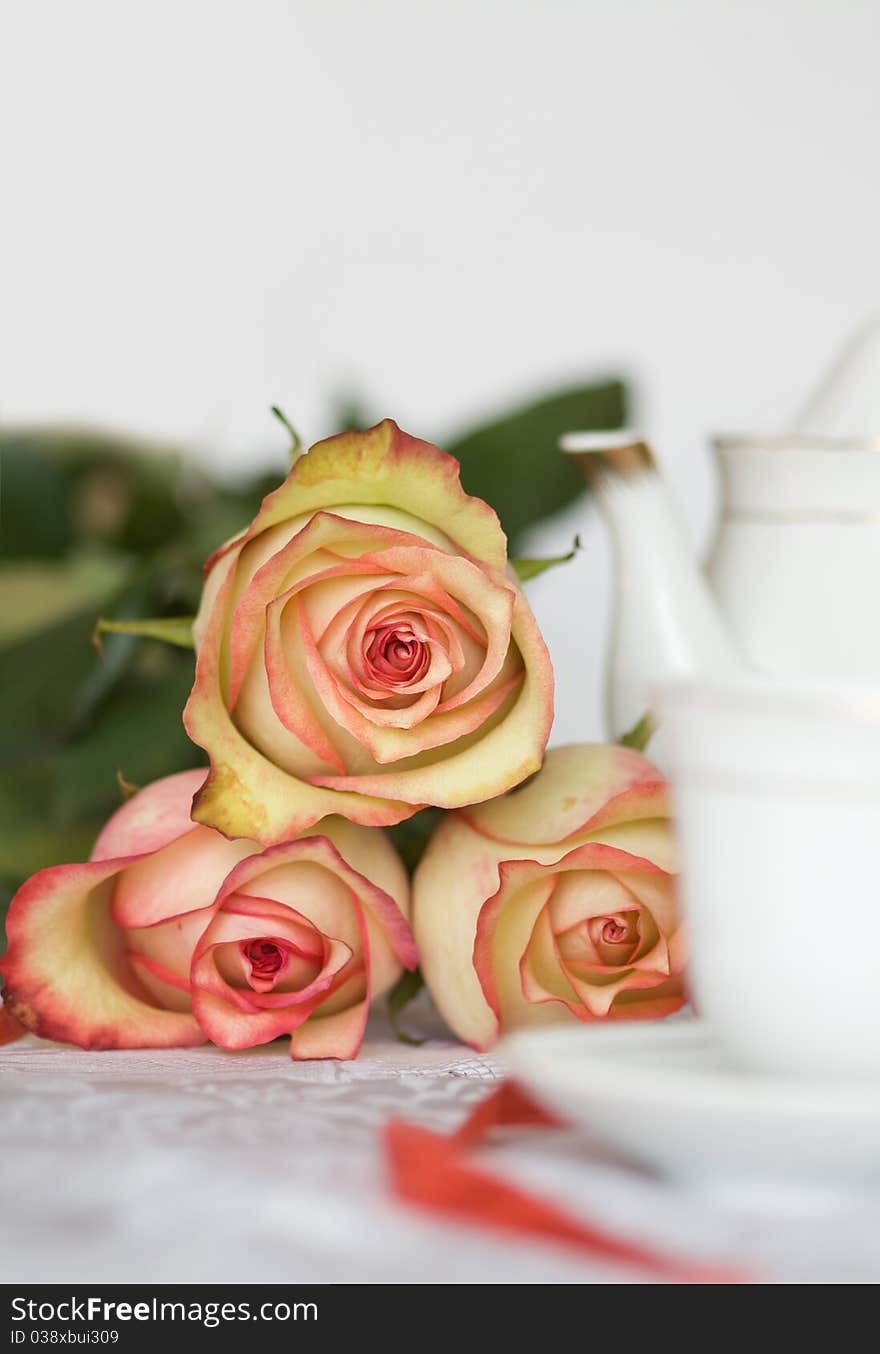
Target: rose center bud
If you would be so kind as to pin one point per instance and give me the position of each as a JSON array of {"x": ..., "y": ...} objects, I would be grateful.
[
  {"x": 615, "y": 938},
  {"x": 396, "y": 654},
  {"x": 264, "y": 957}
]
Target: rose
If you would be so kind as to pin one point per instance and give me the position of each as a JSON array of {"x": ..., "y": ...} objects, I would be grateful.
[
  {"x": 10, "y": 1028},
  {"x": 361, "y": 649},
  {"x": 172, "y": 935},
  {"x": 554, "y": 901}
]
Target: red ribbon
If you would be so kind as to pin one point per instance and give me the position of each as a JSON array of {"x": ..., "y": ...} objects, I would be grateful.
[{"x": 434, "y": 1172}]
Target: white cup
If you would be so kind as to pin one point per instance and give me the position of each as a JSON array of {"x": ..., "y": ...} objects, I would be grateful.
[{"x": 777, "y": 798}]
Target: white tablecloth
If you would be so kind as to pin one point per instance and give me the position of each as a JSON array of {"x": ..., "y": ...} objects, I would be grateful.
[{"x": 207, "y": 1166}]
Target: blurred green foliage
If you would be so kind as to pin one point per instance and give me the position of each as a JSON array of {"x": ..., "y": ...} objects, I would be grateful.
[
  {"x": 513, "y": 461},
  {"x": 96, "y": 525}
]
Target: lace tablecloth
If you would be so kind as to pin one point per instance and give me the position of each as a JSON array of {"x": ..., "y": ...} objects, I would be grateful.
[{"x": 207, "y": 1166}]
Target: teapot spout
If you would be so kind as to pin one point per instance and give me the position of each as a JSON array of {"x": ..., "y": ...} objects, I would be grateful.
[{"x": 667, "y": 624}]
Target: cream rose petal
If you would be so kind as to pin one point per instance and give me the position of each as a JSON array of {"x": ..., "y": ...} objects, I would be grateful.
[
  {"x": 66, "y": 972},
  {"x": 387, "y": 467}
]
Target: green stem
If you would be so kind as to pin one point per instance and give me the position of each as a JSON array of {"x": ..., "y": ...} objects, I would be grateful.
[{"x": 296, "y": 445}]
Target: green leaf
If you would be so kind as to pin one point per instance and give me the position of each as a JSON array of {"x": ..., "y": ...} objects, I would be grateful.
[
  {"x": 639, "y": 736},
  {"x": 59, "y": 485},
  {"x": 35, "y": 510},
  {"x": 29, "y": 844},
  {"x": 405, "y": 990},
  {"x": 46, "y": 682},
  {"x": 138, "y": 728},
  {"x": 54, "y": 802},
  {"x": 170, "y": 629},
  {"x": 531, "y": 568},
  {"x": 513, "y": 461},
  {"x": 411, "y": 836},
  {"x": 36, "y": 593}
]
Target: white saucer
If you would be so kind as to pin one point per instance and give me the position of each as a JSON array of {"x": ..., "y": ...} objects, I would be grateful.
[{"x": 662, "y": 1095}]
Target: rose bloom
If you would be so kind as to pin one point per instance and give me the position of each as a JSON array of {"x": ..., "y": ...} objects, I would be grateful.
[
  {"x": 361, "y": 649},
  {"x": 172, "y": 935},
  {"x": 554, "y": 902}
]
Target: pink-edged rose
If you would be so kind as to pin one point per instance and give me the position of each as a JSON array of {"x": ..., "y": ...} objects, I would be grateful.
[
  {"x": 555, "y": 901},
  {"x": 173, "y": 935},
  {"x": 10, "y": 1028},
  {"x": 363, "y": 649}
]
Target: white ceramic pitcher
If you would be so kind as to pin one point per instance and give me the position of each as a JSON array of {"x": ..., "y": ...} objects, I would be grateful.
[{"x": 792, "y": 585}]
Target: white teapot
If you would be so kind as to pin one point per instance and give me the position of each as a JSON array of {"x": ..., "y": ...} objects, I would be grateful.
[{"x": 792, "y": 585}]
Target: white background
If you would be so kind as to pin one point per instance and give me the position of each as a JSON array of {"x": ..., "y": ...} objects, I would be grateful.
[{"x": 211, "y": 206}]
